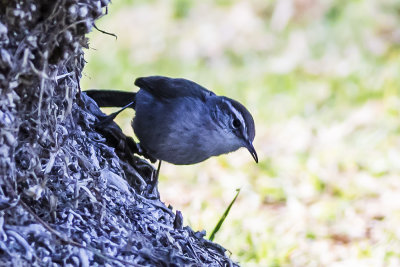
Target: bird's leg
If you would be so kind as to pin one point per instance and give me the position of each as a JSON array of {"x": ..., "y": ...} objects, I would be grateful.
[
  {"x": 158, "y": 169},
  {"x": 153, "y": 190},
  {"x": 109, "y": 118}
]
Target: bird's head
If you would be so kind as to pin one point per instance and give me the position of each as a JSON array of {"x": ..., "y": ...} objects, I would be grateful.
[{"x": 236, "y": 123}]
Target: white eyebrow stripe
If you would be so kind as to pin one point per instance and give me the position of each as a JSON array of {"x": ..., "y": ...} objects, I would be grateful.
[{"x": 239, "y": 116}]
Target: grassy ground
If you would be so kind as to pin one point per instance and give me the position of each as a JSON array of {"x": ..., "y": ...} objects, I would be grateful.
[{"x": 322, "y": 80}]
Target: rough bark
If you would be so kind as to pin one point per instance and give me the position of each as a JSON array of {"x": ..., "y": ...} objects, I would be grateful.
[{"x": 70, "y": 195}]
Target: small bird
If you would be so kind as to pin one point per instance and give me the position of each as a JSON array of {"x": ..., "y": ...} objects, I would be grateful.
[{"x": 181, "y": 122}]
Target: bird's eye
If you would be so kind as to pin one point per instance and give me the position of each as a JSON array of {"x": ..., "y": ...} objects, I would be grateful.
[{"x": 236, "y": 123}]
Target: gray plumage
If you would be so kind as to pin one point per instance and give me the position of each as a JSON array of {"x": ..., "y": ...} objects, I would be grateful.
[{"x": 181, "y": 122}]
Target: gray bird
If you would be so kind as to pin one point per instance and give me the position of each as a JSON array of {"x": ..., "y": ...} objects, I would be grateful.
[{"x": 181, "y": 122}]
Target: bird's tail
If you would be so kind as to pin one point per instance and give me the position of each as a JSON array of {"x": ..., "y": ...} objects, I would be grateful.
[{"x": 112, "y": 98}]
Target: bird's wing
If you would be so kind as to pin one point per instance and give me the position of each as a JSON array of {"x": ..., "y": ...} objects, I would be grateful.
[
  {"x": 111, "y": 98},
  {"x": 164, "y": 87}
]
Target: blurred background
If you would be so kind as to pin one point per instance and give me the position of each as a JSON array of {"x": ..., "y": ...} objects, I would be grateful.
[{"x": 321, "y": 78}]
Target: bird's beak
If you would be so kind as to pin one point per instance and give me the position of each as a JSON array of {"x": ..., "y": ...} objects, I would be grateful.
[{"x": 252, "y": 151}]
